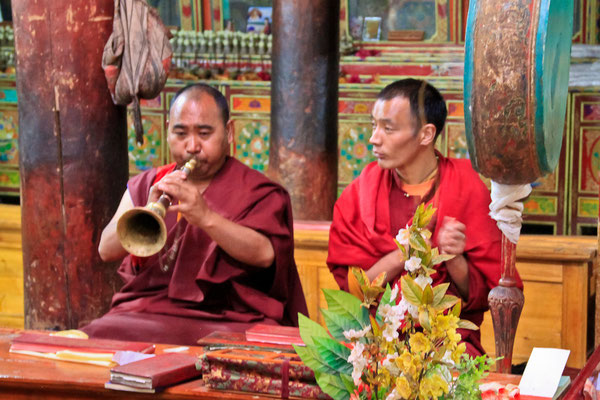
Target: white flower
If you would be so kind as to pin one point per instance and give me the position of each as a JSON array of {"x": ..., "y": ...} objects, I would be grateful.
[
  {"x": 390, "y": 332},
  {"x": 393, "y": 395},
  {"x": 352, "y": 334},
  {"x": 389, "y": 364},
  {"x": 403, "y": 236},
  {"x": 448, "y": 358},
  {"x": 392, "y": 318},
  {"x": 423, "y": 280},
  {"x": 413, "y": 264},
  {"x": 394, "y": 293},
  {"x": 412, "y": 309},
  {"x": 358, "y": 361}
]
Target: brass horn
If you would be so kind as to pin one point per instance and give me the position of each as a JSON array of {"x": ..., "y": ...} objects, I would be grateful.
[{"x": 141, "y": 230}]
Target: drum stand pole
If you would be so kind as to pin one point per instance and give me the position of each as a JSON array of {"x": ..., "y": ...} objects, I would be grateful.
[{"x": 506, "y": 302}]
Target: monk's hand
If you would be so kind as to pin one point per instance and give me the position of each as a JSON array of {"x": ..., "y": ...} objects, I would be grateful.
[
  {"x": 187, "y": 199},
  {"x": 155, "y": 192},
  {"x": 451, "y": 238}
]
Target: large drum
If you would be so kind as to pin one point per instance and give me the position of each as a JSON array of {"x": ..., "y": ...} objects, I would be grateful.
[{"x": 516, "y": 84}]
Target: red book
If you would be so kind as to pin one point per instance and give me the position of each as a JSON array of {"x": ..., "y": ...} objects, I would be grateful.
[
  {"x": 274, "y": 334},
  {"x": 219, "y": 340},
  {"x": 156, "y": 372},
  {"x": 43, "y": 343}
]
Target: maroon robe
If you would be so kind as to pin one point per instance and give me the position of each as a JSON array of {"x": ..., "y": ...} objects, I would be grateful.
[
  {"x": 371, "y": 210},
  {"x": 206, "y": 289}
]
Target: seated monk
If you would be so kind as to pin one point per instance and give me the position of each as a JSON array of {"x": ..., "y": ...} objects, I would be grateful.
[
  {"x": 407, "y": 117},
  {"x": 228, "y": 262}
]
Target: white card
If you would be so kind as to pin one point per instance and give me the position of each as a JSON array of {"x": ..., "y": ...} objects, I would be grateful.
[{"x": 543, "y": 371}]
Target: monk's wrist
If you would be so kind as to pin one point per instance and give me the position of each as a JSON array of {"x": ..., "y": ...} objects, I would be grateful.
[{"x": 208, "y": 220}]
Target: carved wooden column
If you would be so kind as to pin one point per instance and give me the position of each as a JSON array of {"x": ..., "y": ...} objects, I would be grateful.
[
  {"x": 517, "y": 62},
  {"x": 73, "y": 158},
  {"x": 304, "y": 89}
]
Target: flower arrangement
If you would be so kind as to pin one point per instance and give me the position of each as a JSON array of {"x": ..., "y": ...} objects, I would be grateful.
[{"x": 398, "y": 343}]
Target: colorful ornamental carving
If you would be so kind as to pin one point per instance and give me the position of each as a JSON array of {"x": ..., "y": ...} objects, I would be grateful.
[{"x": 517, "y": 60}]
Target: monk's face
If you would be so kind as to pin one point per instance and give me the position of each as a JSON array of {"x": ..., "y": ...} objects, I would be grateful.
[
  {"x": 196, "y": 129},
  {"x": 395, "y": 137}
]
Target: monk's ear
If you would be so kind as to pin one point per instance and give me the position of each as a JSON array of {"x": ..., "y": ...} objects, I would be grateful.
[
  {"x": 427, "y": 134},
  {"x": 229, "y": 131}
]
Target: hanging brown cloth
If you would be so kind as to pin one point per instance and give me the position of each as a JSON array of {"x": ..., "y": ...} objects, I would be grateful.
[{"x": 137, "y": 57}]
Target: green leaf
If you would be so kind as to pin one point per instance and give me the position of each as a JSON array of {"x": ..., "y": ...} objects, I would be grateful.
[
  {"x": 313, "y": 360},
  {"x": 427, "y": 295},
  {"x": 360, "y": 276},
  {"x": 428, "y": 214},
  {"x": 446, "y": 302},
  {"x": 371, "y": 294},
  {"x": 334, "y": 354},
  {"x": 424, "y": 319},
  {"x": 439, "y": 291},
  {"x": 403, "y": 250},
  {"x": 348, "y": 382},
  {"x": 309, "y": 329},
  {"x": 441, "y": 258},
  {"x": 386, "y": 298},
  {"x": 375, "y": 326},
  {"x": 338, "y": 324},
  {"x": 333, "y": 386},
  {"x": 430, "y": 271},
  {"x": 417, "y": 242},
  {"x": 417, "y": 216},
  {"x": 465, "y": 324},
  {"x": 426, "y": 233},
  {"x": 425, "y": 258},
  {"x": 379, "y": 280},
  {"x": 346, "y": 305},
  {"x": 456, "y": 309},
  {"x": 411, "y": 291}
]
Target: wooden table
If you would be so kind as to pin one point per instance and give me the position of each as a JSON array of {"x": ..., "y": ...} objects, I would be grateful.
[{"x": 26, "y": 377}]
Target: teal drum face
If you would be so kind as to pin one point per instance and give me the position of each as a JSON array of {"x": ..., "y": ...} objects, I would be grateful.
[
  {"x": 553, "y": 58},
  {"x": 517, "y": 61}
]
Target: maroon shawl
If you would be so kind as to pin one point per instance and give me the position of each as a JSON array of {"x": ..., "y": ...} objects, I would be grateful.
[{"x": 204, "y": 281}]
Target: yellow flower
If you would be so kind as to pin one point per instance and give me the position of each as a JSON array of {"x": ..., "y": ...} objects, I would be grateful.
[
  {"x": 460, "y": 349},
  {"x": 403, "y": 387},
  {"x": 432, "y": 387},
  {"x": 453, "y": 336},
  {"x": 407, "y": 364},
  {"x": 442, "y": 324},
  {"x": 419, "y": 343}
]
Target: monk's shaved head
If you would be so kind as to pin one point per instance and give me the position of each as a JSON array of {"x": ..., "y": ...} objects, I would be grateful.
[{"x": 196, "y": 90}]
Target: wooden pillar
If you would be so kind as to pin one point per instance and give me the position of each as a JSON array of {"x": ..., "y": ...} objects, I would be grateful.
[
  {"x": 73, "y": 158},
  {"x": 304, "y": 89}
]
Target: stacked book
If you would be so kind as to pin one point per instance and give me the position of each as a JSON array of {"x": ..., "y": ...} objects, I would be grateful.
[
  {"x": 153, "y": 374},
  {"x": 89, "y": 351},
  {"x": 259, "y": 371}
]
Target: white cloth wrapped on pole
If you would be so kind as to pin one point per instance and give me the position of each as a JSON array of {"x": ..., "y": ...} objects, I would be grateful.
[{"x": 506, "y": 208}]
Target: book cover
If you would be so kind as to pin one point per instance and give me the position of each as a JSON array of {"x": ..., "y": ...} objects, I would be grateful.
[
  {"x": 43, "y": 343},
  {"x": 225, "y": 340},
  {"x": 274, "y": 334},
  {"x": 159, "y": 371}
]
